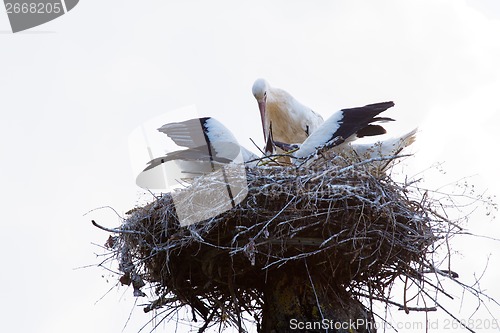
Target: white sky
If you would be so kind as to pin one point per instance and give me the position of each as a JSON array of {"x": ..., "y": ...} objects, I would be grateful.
[{"x": 72, "y": 91}]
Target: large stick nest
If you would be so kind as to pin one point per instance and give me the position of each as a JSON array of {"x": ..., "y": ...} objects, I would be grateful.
[{"x": 357, "y": 230}]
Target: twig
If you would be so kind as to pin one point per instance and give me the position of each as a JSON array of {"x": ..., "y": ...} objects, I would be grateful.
[{"x": 117, "y": 231}]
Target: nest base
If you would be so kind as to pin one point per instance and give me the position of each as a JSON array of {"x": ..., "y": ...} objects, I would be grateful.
[{"x": 301, "y": 245}]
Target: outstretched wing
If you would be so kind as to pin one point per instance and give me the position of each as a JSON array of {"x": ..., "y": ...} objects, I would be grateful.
[{"x": 344, "y": 126}]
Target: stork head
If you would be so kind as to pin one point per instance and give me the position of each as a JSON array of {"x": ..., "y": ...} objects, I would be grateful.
[{"x": 259, "y": 90}]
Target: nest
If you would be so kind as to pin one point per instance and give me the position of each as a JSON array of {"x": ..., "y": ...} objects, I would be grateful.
[{"x": 356, "y": 230}]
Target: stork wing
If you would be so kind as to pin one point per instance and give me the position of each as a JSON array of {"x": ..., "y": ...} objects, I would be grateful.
[
  {"x": 359, "y": 119},
  {"x": 345, "y": 125},
  {"x": 198, "y": 154},
  {"x": 189, "y": 133},
  {"x": 388, "y": 147},
  {"x": 197, "y": 132}
]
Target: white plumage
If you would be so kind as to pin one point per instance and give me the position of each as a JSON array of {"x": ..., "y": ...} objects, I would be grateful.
[
  {"x": 380, "y": 150},
  {"x": 338, "y": 133},
  {"x": 389, "y": 147},
  {"x": 357, "y": 152},
  {"x": 344, "y": 126},
  {"x": 210, "y": 145},
  {"x": 290, "y": 120}
]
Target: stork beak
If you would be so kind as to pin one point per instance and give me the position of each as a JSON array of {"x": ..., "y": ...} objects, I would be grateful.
[
  {"x": 269, "y": 149},
  {"x": 262, "y": 109}
]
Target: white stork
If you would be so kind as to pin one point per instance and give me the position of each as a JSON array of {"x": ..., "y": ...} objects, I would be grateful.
[
  {"x": 345, "y": 126},
  {"x": 388, "y": 147},
  {"x": 210, "y": 145},
  {"x": 357, "y": 152},
  {"x": 283, "y": 117},
  {"x": 380, "y": 149},
  {"x": 210, "y": 148},
  {"x": 339, "y": 132}
]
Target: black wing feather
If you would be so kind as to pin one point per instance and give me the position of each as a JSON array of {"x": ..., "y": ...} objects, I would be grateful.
[{"x": 358, "y": 120}]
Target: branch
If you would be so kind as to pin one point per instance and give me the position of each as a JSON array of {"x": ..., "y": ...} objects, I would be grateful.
[{"x": 117, "y": 231}]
